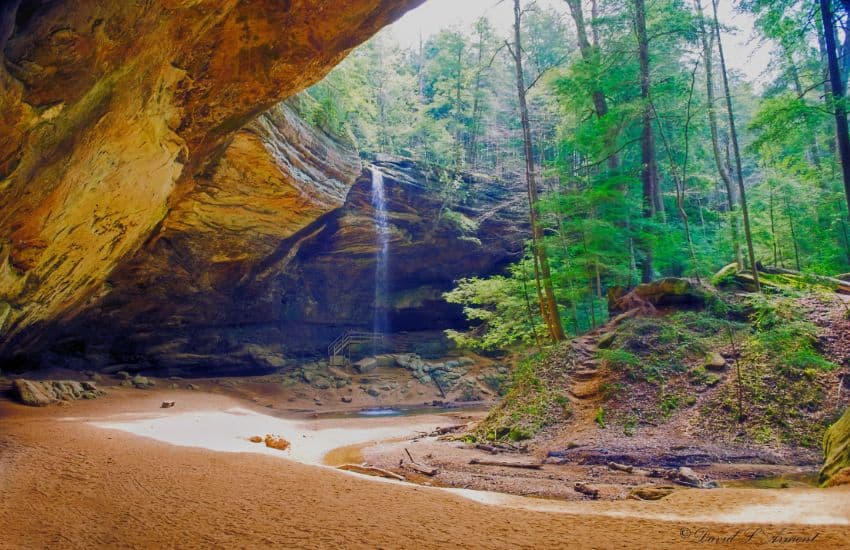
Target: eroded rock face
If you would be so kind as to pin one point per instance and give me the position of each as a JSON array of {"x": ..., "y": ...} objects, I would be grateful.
[
  {"x": 115, "y": 114},
  {"x": 328, "y": 285},
  {"x": 43, "y": 393},
  {"x": 209, "y": 299},
  {"x": 836, "y": 446}
]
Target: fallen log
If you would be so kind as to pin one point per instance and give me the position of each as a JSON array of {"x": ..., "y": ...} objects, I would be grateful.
[
  {"x": 586, "y": 490},
  {"x": 423, "y": 469},
  {"x": 620, "y": 467},
  {"x": 417, "y": 467},
  {"x": 370, "y": 471},
  {"x": 779, "y": 278},
  {"x": 489, "y": 448},
  {"x": 525, "y": 465},
  {"x": 447, "y": 430}
]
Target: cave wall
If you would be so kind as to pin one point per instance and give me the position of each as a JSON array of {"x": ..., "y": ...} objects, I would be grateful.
[
  {"x": 113, "y": 115},
  {"x": 211, "y": 301}
]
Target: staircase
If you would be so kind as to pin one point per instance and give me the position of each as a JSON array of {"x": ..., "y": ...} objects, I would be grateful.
[{"x": 339, "y": 351}]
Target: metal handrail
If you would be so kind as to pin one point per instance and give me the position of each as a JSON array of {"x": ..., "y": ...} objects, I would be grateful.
[{"x": 349, "y": 337}]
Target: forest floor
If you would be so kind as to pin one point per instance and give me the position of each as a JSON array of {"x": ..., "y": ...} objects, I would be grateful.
[{"x": 626, "y": 418}]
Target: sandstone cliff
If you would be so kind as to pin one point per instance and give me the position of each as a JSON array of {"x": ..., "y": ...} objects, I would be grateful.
[
  {"x": 114, "y": 117},
  {"x": 209, "y": 298}
]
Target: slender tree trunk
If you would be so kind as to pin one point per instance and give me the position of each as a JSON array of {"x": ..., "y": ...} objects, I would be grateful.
[
  {"x": 680, "y": 180},
  {"x": 551, "y": 305},
  {"x": 459, "y": 112},
  {"x": 846, "y": 239},
  {"x": 837, "y": 88},
  {"x": 814, "y": 153},
  {"x": 476, "y": 105},
  {"x": 528, "y": 308},
  {"x": 420, "y": 76},
  {"x": 649, "y": 171},
  {"x": 733, "y": 134},
  {"x": 708, "y": 59},
  {"x": 587, "y": 51},
  {"x": 827, "y": 87},
  {"x": 793, "y": 234},
  {"x": 773, "y": 226}
]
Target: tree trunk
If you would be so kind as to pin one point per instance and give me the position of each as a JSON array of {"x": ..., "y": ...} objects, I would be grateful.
[
  {"x": 600, "y": 104},
  {"x": 551, "y": 305},
  {"x": 715, "y": 142},
  {"x": 837, "y": 88},
  {"x": 736, "y": 150},
  {"x": 476, "y": 105},
  {"x": 649, "y": 172},
  {"x": 814, "y": 153}
]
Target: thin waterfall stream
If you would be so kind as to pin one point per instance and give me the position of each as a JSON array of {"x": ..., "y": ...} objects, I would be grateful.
[{"x": 380, "y": 323}]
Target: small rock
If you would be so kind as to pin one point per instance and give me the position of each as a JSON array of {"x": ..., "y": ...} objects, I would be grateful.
[
  {"x": 587, "y": 490},
  {"x": 373, "y": 392},
  {"x": 714, "y": 361},
  {"x": 345, "y": 399},
  {"x": 192, "y": 387},
  {"x": 142, "y": 382},
  {"x": 167, "y": 404},
  {"x": 606, "y": 340},
  {"x": 366, "y": 365},
  {"x": 256, "y": 439},
  {"x": 688, "y": 477},
  {"x": 123, "y": 375},
  {"x": 276, "y": 442}
]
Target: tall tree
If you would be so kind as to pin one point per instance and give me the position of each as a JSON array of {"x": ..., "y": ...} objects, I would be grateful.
[
  {"x": 589, "y": 54},
  {"x": 733, "y": 134},
  {"x": 707, "y": 40},
  {"x": 548, "y": 305},
  {"x": 838, "y": 93},
  {"x": 652, "y": 204}
]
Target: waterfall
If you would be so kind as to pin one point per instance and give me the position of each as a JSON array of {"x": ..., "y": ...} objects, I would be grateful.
[{"x": 382, "y": 253}]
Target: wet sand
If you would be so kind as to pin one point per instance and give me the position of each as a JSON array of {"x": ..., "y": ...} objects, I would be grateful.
[{"x": 74, "y": 477}]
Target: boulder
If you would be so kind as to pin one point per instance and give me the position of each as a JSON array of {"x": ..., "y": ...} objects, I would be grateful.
[
  {"x": 43, "y": 393},
  {"x": 34, "y": 394},
  {"x": 688, "y": 477},
  {"x": 836, "y": 448},
  {"x": 142, "y": 382},
  {"x": 726, "y": 274},
  {"x": 366, "y": 365},
  {"x": 714, "y": 361}
]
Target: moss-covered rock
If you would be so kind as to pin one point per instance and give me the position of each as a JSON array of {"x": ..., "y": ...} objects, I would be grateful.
[
  {"x": 836, "y": 449},
  {"x": 671, "y": 291}
]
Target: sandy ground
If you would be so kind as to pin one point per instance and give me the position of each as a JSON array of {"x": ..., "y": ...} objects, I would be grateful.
[{"x": 73, "y": 477}]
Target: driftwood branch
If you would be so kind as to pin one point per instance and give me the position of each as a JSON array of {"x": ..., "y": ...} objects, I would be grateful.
[
  {"x": 524, "y": 465},
  {"x": 370, "y": 471}
]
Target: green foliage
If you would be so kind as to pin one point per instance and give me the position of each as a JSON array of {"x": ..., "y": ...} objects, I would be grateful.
[
  {"x": 504, "y": 309},
  {"x": 533, "y": 401},
  {"x": 782, "y": 334},
  {"x": 600, "y": 417}
]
